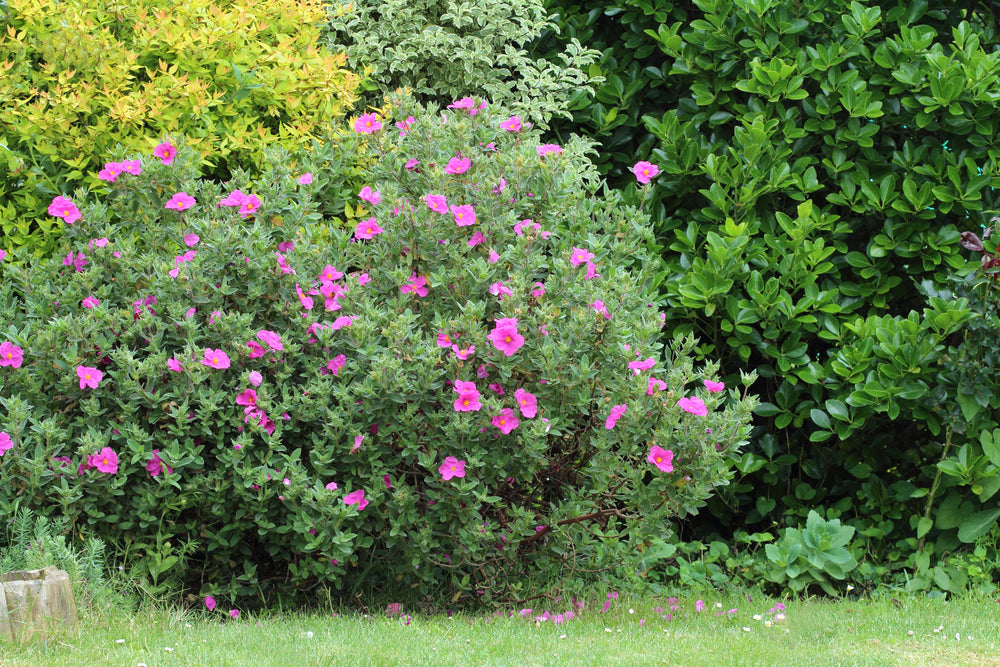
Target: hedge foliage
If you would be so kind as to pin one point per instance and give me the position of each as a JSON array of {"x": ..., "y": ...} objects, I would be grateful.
[
  {"x": 81, "y": 80},
  {"x": 819, "y": 161}
]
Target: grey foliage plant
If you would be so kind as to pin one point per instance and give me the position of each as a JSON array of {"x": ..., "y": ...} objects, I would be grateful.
[{"x": 446, "y": 49}]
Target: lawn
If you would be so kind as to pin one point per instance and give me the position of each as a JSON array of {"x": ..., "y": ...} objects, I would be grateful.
[{"x": 744, "y": 630}]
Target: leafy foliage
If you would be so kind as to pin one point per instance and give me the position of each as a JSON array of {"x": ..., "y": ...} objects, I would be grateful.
[
  {"x": 82, "y": 79},
  {"x": 818, "y": 163},
  {"x": 264, "y": 398},
  {"x": 442, "y": 51}
]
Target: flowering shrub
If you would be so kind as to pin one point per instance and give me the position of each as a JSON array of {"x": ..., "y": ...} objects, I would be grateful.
[{"x": 359, "y": 407}]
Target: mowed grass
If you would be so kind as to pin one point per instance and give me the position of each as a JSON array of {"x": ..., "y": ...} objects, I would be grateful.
[{"x": 905, "y": 630}]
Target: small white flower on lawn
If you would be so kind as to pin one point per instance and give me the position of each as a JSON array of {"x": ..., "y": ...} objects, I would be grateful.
[
  {"x": 119, "y": 641},
  {"x": 910, "y": 633},
  {"x": 631, "y": 611},
  {"x": 746, "y": 629},
  {"x": 607, "y": 629},
  {"x": 167, "y": 648},
  {"x": 309, "y": 634},
  {"x": 562, "y": 636},
  {"x": 757, "y": 617},
  {"x": 768, "y": 623}
]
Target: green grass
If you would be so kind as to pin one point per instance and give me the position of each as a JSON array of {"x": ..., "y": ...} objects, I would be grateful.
[{"x": 907, "y": 631}]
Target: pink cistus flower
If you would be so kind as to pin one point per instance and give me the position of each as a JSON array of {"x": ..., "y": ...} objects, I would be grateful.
[
  {"x": 694, "y": 405},
  {"x": 580, "y": 256},
  {"x": 305, "y": 179},
  {"x": 437, "y": 203},
  {"x": 210, "y": 603},
  {"x": 367, "y": 229},
  {"x": 468, "y": 397},
  {"x": 458, "y": 165},
  {"x": 661, "y": 458},
  {"x": 506, "y": 421},
  {"x": 417, "y": 284},
  {"x": 216, "y": 359},
  {"x": 714, "y": 386},
  {"x": 514, "y": 124},
  {"x": 405, "y": 125},
  {"x": 526, "y": 403},
  {"x": 272, "y": 339},
  {"x": 249, "y": 206},
  {"x": 644, "y": 171},
  {"x": 63, "y": 207},
  {"x": 180, "y": 202},
  {"x": 356, "y": 498},
  {"x": 616, "y": 413},
  {"x": 549, "y": 149},
  {"x": 373, "y": 197},
  {"x": 105, "y": 461},
  {"x": 452, "y": 467},
  {"x": 505, "y": 336},
  {"x": 155, "y": 465},
  {"x": 465, "y": 216},
  {"x": 89, "y": 377},
  {"x": 166, "y": 152},
  {"x": 110, "y": 171},
  {"x": 367, "y": 124},
  {"x": 5, "y": 442}
]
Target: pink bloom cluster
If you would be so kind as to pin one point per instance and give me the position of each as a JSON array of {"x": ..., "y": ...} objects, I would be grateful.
[
  {"x": 112, "y": 170},
  {"x": 248, "y": 204}
]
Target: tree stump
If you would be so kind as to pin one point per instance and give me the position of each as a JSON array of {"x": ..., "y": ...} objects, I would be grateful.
[{"x": 36, "y": 603}]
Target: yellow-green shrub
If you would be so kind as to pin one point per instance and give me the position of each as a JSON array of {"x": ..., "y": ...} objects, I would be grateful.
[{"x": 78, "y": 79}]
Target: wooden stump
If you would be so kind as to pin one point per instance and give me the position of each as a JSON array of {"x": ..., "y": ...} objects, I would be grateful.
[{"x": 36, "y": 603}]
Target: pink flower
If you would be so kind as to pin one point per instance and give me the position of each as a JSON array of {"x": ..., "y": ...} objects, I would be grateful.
[
  {"x": 451, "y": 467},
  {"x": 272, "y": 339},
  {"x": 538, "y": 292},
  {"x": 210, "y": 602},
  {"x": 358, "y": 439},
  {"x": 334, "y": 365},
  {"x": 514, "y": 124},
  {"x": 249, "y": 206},
  {"x": 699, "y": 605},
  {"x": 174, "y": 365},
  {"x": 155, "y": 465},
  {"x": 89, "y": 377},
  {"x": 506, "y": 421},
  {"x": 616, "y": 413},
  {"x": 405, "y": 125},
  {"x": 110, "y": 171},
  {"x": 467, "y": 103},
  {"x": 437, "y": 203},
  {"x": 364, "y": 279},
  {"x": 180, "y": 201},
  {"x": 694, "y": 405},
  {"x": 216, "y": 359},
  {"x": 464, "y": 215},
  {"x": 505, "y": 336},
  {"x": 235, "y": 198},
  {"x": 580, "y": 255},
  {"x": 714, "y": 386},
  {"x": 661, "y": 458},
  {"x": 105, "y": 461},
  {"x": 443, "y": 339},
  {"x": 305, "y": 179},
  {"x": 501, "y": 186},
  {"x": 133, "y": 167},
  {"x": 526, "y": 403},
  {"x": 494, "y": 257},
  {"x": 367, "y": 124},
  {"x": 417, "y": 284},
  {"x": 90, "y": 302},
  {"x": 331, "y": 486},
  {"x": 235, "y": 613},
  {"x": 5, "y": 443},
  {"x": 329, "y": 274},
  {"x": 601, "y": 308},
  {"x": 373, "y": 197},
  {"x": 255, "y": 378},
  {"x": 644, "y": 171},
  {"x": 367, "y": 229},
  {"x": 255, "y": 349},
  {"x": 356, "y": 498},
  {"x": 166, "y": 152},
  {"x": 475, "y": 239},
  {"x": 498, "y": 289},
  {"x": 191, "y": 240},
  {"x": 592, "y": 271},
  {"x": 77, "y": 263},
  {"x": 457, "y": 165},
  {"x": 639, "y": 366},
  {"x": 655, "y": 383},
  {"x": 548, "y": 149},
  {"x": 63, "y": 207},
  {"x": 283, "y": 264},
  {"x": 468, "y": 397},
  {"x": 411, "y": 164},
  {"x": 306, "y": 302},
  {"x": 463, "y": 354},
  {"x": 247, "y": 397}
]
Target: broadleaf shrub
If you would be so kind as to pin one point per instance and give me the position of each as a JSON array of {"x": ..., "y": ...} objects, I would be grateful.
[
  {"x": 82, "y": 79},
  {"x": 464, "y": 396},
  {"x": 818, "y": 162},
  {"x": 446, "y": 50}
]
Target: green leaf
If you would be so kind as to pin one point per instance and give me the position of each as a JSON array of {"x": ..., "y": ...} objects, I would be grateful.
[
  {"x": 924, "y": 526},
  {"x": 976, "y": 525},
  {"x": 820, "y": 418}
]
